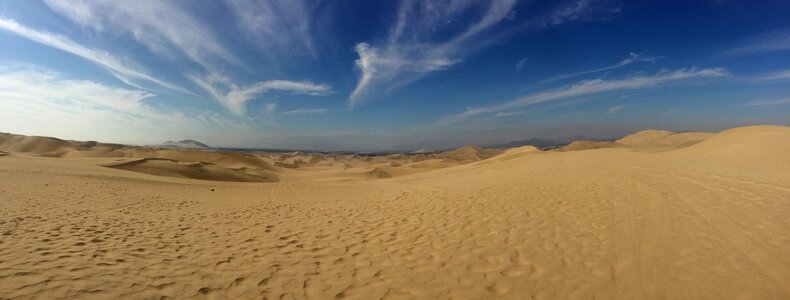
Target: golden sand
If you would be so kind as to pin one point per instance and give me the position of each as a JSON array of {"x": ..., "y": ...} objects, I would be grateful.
[{"x": 653, "y": 215}]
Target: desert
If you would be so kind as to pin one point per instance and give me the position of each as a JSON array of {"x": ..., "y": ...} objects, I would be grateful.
[
  {"x": 401, "y": 149},
  {"x": 654, "y": 215}
]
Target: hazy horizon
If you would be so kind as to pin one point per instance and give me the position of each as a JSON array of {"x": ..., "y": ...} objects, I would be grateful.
[{"x": 398, "y": 75}]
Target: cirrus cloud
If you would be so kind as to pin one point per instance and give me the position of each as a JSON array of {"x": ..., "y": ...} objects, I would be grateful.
[
  {"x": 120, "y": 70},
  {"x": 413, "y": 49},
  {"x": 588, "y": 87}
]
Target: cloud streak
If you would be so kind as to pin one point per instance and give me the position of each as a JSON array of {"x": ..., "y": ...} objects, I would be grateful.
[
  {"x": 234, "y": 98},
  {"x": 275, "y": 25},
  {"x": 159, "y": 25},
  {"x": 39, "y": 101},
  {"x": 520, "y": 64},
  {"x": 631, "y": 59},
  {"x": 120, "y": 70},
  {"x": 35, "y": 84},
  {"x": 585, "y": 88},
  {"x": 614, "y": 109},
  {"x": 776, "y": 76},
  {"x": 306, "y": 111},
  {"x": 581, "y": 10},
  {"x": 421, "y": 41},
  {"x": 172, "y": 32},
  {"x": 767, "y": 102},
  {"x": 413, "y": 49},
  {"x": 763, "y": 43}
]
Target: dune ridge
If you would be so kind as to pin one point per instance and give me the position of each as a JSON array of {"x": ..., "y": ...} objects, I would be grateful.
[
  {"x": 194, "y": 170},
  {"x": 658, "y": 140},
  {"x": 589, "y": 145},
  {"x": 43, "y": 146}
]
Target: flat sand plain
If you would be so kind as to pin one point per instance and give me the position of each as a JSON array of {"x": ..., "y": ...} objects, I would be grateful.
[{"x": 655, "y": 215}]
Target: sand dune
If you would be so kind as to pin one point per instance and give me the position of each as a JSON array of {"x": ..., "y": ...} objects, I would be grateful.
[
  {"x": 194, "y": 170},
  {"x": 589, "y": 145},
  {"x": 469, "y": 153},
  {"x": 37, "y": 145},
  {"x": 517, "y": 152},
  {"x": 662, "y": 140},
  {"x": 701, "y": 221},
  {"x": 743, "y": 149}
]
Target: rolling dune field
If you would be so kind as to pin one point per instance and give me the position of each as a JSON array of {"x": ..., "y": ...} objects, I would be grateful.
[{"x": 655, "y": 215}]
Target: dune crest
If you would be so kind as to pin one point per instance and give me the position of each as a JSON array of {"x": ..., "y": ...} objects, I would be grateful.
[
  {"x": 469, "y": 153},
  {"x": 662, "y": 140},
  {"x": 589, "y": 145},
  {"x": 36, "y": 145},
  {"x": 194, "y": 170}
]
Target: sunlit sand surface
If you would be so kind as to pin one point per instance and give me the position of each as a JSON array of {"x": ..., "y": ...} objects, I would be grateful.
[{"x": 653, "y": 215}]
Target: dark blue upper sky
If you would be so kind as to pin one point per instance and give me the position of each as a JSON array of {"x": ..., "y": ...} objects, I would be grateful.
[{"x": 382, "y": 75}]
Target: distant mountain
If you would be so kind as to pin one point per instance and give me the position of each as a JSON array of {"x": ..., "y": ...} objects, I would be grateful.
[
  {"x": 191, "y": 144},
  {"x": 540, "y": 143},
  {"x": 422, "y": 150},
  {"x": 548, "y": 143}
]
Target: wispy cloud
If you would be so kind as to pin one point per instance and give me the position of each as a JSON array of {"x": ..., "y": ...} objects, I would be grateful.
[
  {"x": 762, "y": 43},
  {"x": 631, "y": 59},
  {"x": 170, "y": 31},
  {"x": 120, "y": 70},
  {"x": 503, "y": 114},
  {"x": 234, "y": 98},
  {"x": 268, "y": 112},
  {"x": 82, "y": 109},
  {"x": 159, "y": 25},
  {"x": 614, "y": 109},
  {"x": 425, "y": 38},
  {"x": 413, "y": 47},
  {"x": 581, "y": 10},
  {"x": 588, "y": 87},
  {"x": 31, "y": 83},
  {"x": 766, "y": 102},
  {"x": 275, "y": 25},
  {"x": 306, "y": 111},
  {"x": 775, "y": 76},
  {"x": 520, "y": 64}
]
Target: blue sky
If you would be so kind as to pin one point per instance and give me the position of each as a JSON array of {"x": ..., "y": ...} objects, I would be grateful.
[{"x": 388, "y": 75}]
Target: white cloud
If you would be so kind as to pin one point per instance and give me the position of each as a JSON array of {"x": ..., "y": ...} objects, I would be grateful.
[
  {"x": 275, "y": 25},
  {"x": 766, "y": 42},
  {"x": 614, "y": 109},
  {"x": 306, "y": 111},
  {"x": 766, "y": 102},
  {"x": 632, "y": 58},
  {"x": 159, "y": 25},
  {"x": 42, "y": 102},
  {"x": 234, "y": 98},
  {"x": 581, "y": 10},
  {"x": 122, "y": 71},
  {"x": 425, "y": 38},
  {"x": 520, "y": 64},
  {"x": 34, "y": 84},
  {"x": 268, "y": 112},
  {"x": 502, "y": 114},
  {"x": 588, "y": 87},
  {"x": 170, "y": 31},
  {"x": 38, "y": 101},
  {"x": 776, "y": 76},
  {"x": 413, "y": 48}
]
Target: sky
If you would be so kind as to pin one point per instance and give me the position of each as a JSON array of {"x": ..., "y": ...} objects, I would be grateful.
[{"x": 388, "y": 75}]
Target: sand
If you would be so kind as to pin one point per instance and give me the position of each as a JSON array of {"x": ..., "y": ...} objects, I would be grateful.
[{"x": 703, "y": 220}]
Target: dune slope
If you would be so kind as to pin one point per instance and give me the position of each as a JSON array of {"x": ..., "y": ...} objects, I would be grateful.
[
  {"x": 194, "y": 170},
  {"x": 662, "y": 140}
]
